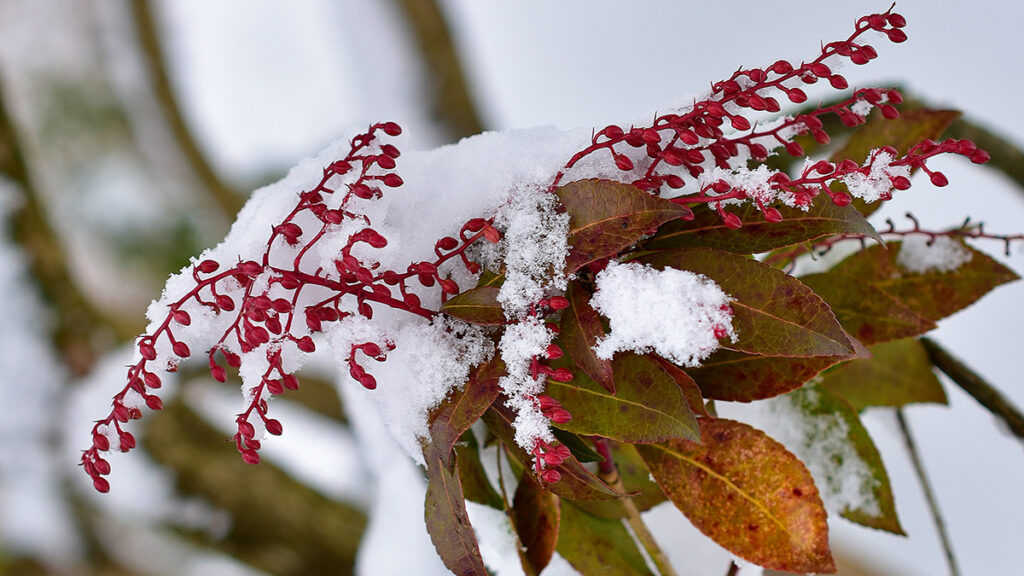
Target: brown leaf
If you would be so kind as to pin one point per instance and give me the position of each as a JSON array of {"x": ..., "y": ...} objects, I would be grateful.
[
  {"x": 606, "y": 217},
  {"x": 536, "y": 513},
  {"x": 476, "y": 306},
  {"x": 739, "y": 377},
  {"x": 580, "y": 330},
  {"x": 747, "y": 493},
  {"x": 446, "y": 518}
]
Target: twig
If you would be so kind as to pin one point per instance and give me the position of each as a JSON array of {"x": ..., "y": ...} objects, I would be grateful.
[
  {"x": 987, "y": 395},
  {"x": 611, "y": 477},
  {"x": 734, "y": 569},
  {"x": 933, "y": 504}
]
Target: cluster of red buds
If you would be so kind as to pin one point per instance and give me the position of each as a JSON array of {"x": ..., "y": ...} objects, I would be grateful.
[{"x": 259, "y": 300}]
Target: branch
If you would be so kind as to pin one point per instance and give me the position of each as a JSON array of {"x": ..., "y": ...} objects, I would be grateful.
[
  {"x": 229, "y": 201},
  {"x": 971, "y": 382},
  {"x": 933, "y": 504},
  {"x": 610, "y": 475},
  {"x": 452, "y": 103}
]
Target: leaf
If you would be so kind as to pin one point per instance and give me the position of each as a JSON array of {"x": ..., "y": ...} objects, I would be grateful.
[
  {"x": 606, "y": 217},
  {"x": 476, "y": 306},
  {"x": 911, "y": 127},
  {"x": 577, "y": 482},
  {"x": 447, "y": 520},
  {"x": 636, "y": 482},
  {"x": 598, "y": 546},
  {"x": 899, "y": 373},
  {"x": 773, "y": 313},
  {"x": 686, "y": 385},
  {"x": 739, "y": 377},
  {"x": 580, "y": 329},
  {"x": 933, "y": 295},
  {"x": 579, "y": 447},
  {"x": 747, "y": 493},
  {"x": 536, "y": 514},
  {"x": 462, "y": 408},
  {"x": 707, "y": 230},
  {"x": 866, "y": 311},
  {"x": 476, "y": 487},
  {"x": 647, "y": 407},
  {"x": 826, "y": 433}
]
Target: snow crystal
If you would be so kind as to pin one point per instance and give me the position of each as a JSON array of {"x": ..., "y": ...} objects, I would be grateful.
[
  {"x": 534, "y": 247},
  {"x": 428, "y": 362},
  {"x": 920, "y": 254},
  {"x": 672, "y": 312},
  {"x": 754, "y": 183},
  {"x": 520, "y": 343},
  {"x": 877, "y": 183}
]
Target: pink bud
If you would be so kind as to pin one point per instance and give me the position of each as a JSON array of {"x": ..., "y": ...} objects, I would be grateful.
[
  {"x": 897, "y": 20},
  {"x": 547, "y": 403},
  {"x": 101, "y": 485},
  {"x": 127, "y": 441},
  {"x": 392, "y": 180},
  {"x": 154, "y": 402},
  {"x": 839, "y": 82},
  {"x": 250, "y": 268},
  {"x": 449, "y": 286},
  {"x": 560, "y": 416},
  {"x": 305, "y": 344},
  {"x": 246, "y": 429},
  {"x": 623, "y": 162},
  {"x": 274, "y": 386},
  {"x": 491, "y": 234},
  {"x": 225, "y": 303},
  {"x": 897, "y": 36},
  {"x": 939, "y": 179},
  {"x": 740, "y": 123},
  {"x": 562, "y": 375},
  {"x": 100, "y": 442},
  {"x": 553, "y": 352},
  {"x": 218, "y": 373},
  {"x": 674, "y": 181},
  {"x": 390, "y": 150},
  {"x": 147, "y": 350},
  {"x": 181, "y": 349},
  {"x": 152, "y": 380},
  {"x": 368, "y": 382},
  {"x": 101, "y": 465},
  {"x": 890, "y": 112},
  {"x": 290, "y": 382},
  {"x": 250, "y": 457},
  {"x": 796, "y": 96},
  {"x": 274, "y": 427},
  {"x": 550, "y": 476},
  {"x": 552, "y": 459},
  {"x": 208, "y": 266},
  {"x": 794, "y": 149},
  {"x": 772, "y": 215},
  {"x": 447, "y": 243},
  {"x": 181, "y": 317},
  {"x": 558, "y": 303},
  {"x": 391, "y": 128},
  {"x": 386, "y": 162},
  {"x": 732, "y": 221}
]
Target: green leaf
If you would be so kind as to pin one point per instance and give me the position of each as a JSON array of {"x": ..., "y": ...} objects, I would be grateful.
[
  {"x": 866, "y": 311},
  {"x": 911, "y": 127},
  {"x": 707, "y": 230},
  {"x": 897, "y": 374},
  {"x": 773, "y": 313},
  {"x": 636, "y": 482},
  {"x": 647, "y": 407},
  {"x": 462, "y": 408},
  {"x": 747, "y": 493},
  {"x": 580, "y": 329},
  {"x": 933, "y": 295},
  {"x": 579, "y": 447},
  {"x": 577, "y": 482},
  {"x": 476, "y": 487},
  {"x": 536, "y": 514},
  {"x": 598, "y": 546},
  {"x": 826, "y": 433},
  {"x": 606, "y": 217},
  {"x": 737, "y": 377},
  {"x": 476, "y": 306},
  {"x": 446, "y": 518},
  {"x": 686, "y": 384}
]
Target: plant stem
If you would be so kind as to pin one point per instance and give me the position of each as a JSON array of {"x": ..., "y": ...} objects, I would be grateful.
[
  {"x": 611, "y": 477},
  {"x": 734, "y": 569},
  {"x": 971, "y": 382},
  {"x": 933, "y": 505}
]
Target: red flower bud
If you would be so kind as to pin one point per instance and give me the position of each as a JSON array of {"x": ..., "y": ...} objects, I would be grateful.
[
  {"x": 274, "y": 386},
  {"x": 152, "y": 380},
  {"x": 290, "y": 382},
  {"x": 101, "y": 442},
  {"x": 550, "y": 476},
  {"x": 731, "y": 220},
  {"x": 391, "y": 128},
  {"x": 181, "y": 349},
  {"x": 101, "y": 485},
  {"x": 218, "y": 373},
  {"x": 274, "y": 427},
  {"x": 250, "y": 456},
  {"x": 154, "y": 402},
  {"x": 558, "y": 303},
  {"x": 939, "y": 179},
  {"x": 225, "y": 303},
  {"x": 623, "y": 162},
  {"x": 491, "y": 234},
  {"x": 147, "y": 350},
  {"x": 181, "y": 317},
  {"x": 208, "y": 266},
  {"x": 392, "y": 180},
  {"x": 127, "y": 441},
  {"x": 560, "y": 416}
]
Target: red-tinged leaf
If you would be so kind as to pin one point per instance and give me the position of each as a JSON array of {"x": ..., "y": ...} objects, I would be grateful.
[
  {"x": 606, "y": 217},
  {"x": 647, "y": 407},
  {"x": 737, "y": 377},
  {"x": 580, "y": 330},
  {"x": 707, "y": 230},
  {"x": 773, "y": 313},
  {"x": 577, "y": 482},
  {"x": 476, "y": 306},
  {"x": 866, "y": 311},
  {"x": 462, "y": 408},
  {"x": 598, "y": 546},
  {"x": 536, "y": 513},
  {"x": 746, "y": 492},
  {"x": 447, "y": 520},
  {"x": 476, "y": 487},
  {"x": 580, "y": 448},
  {"x": 933, "y": 295},
  {"x": 911, "y": 127},
  {"x": 897, "y": 374},
  {"x": 825, "y": 432},
  {"x": 686, "y": 385},
  {"x": 636, "y": 482}
]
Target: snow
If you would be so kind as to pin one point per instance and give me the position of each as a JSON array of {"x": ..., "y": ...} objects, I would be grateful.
[
  {"x": 877, "y": 183},
  {"x": 921, "y": 254},
  {"x": 520, "y": 343},
  {"x": 676, "y": 313}
]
